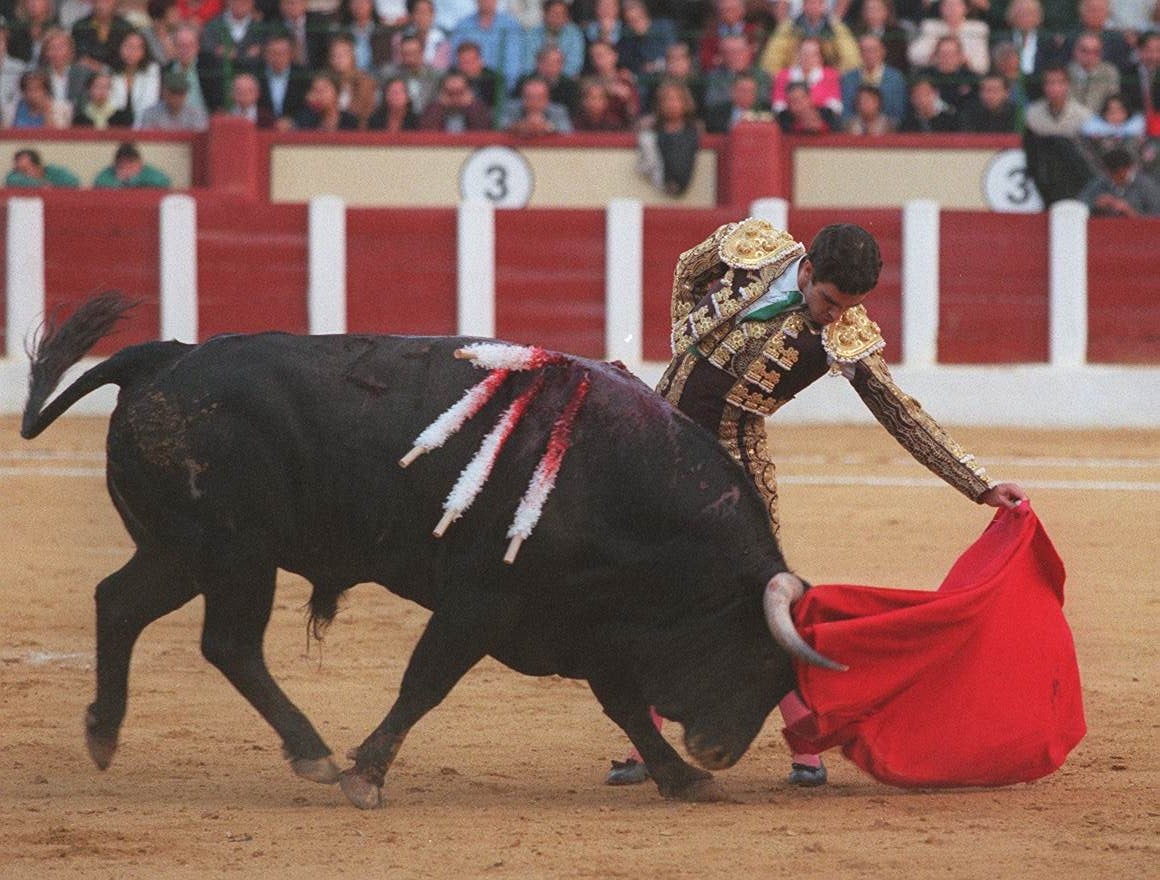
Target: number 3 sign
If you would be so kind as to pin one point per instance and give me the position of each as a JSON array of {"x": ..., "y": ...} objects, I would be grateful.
[
  {"x": 1008, "y": 187},
  {"x": 499, "y": 175}
]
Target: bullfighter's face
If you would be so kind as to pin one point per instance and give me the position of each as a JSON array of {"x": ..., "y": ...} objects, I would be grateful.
[{"x": 824, "y": 301}]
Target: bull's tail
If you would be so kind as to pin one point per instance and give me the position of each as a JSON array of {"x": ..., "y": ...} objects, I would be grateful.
[{"x": 59, "y": 347}]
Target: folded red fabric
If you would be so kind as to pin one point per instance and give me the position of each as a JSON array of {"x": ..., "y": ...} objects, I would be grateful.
[{"x": 974, "y": 684}]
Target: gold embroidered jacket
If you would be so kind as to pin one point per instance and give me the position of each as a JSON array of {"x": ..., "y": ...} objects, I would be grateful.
[{"x": 773, "y": 360}]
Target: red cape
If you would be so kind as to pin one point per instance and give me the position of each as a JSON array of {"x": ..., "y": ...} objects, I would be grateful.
[{"x": 975, "y": 684}]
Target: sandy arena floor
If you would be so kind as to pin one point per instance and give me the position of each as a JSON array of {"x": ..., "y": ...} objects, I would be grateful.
[{"x": 504, "y": 779}]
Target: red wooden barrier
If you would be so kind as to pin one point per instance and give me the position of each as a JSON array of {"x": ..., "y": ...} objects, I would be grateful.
[
  {"x": 993, "y": 302},
  {"x": 401, "y": 271},
  {"x": 1123, "y": 294},
  {"x": 549, "y": 279}
]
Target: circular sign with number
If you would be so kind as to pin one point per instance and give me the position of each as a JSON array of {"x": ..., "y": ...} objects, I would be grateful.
[
  {"x": 499, "y": 175},
  {"x": 1008, "y": 187}
]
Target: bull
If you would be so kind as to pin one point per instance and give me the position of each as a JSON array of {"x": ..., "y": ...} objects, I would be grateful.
[{"x": 652, "y": 574}]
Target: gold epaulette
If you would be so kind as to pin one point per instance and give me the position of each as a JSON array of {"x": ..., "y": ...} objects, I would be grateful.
[
  {"x": 754, "y": 244},
  {"x": 852, "y": 337}
]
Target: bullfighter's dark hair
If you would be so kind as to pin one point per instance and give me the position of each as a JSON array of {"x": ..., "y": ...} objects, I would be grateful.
[{"x": 847, "y": 256}]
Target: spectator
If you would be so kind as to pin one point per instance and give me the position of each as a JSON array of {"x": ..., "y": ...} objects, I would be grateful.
[
  {"x": 198, "y": 12},
  {"x": 392, "y": 13},
  {"x": 1122, "y": 191},
  {"x": 955, "y": 81},
  {"x": 500, "y": 40},
  {"x": 245, "y": 101},
  {"x": 448, "y": 13},
  {"x": 823, "y": 82},
  {"x": 928, "y": 112},
  {"x": 234, "y": 38},
  {"x": 371, "y": 40},
  {"x": 69, "y": 12},
  {"x": 137, "y": 80},
  {"x": 358, "y": 91},
  {"x": 1037, "y": 48},
  {"x": 877, "y": 19},
  {"x": 992, "y": 111},
  {"x": 838, "y": 46},
  {"x": 1059, "y": 17},
  {"x": 668, "y": 140},
  {"x": 729, "y": 21},
  {"x": 802, "y": 116},
  {"x": 1141, "y": 83},
  {"x": 605, "y": 25},
  {"x": 1057, "y": 112},
  {"x": 745, "y": 103},
  {"x": 96, "y": 108},
  {"x": 163, "y": 17},
  {"x": 737, "y": 59},
  {"x": 309, "y": 33},
  {"x": 98, "y": 35},
  {"x": 643, "y": 40},
  {"x": 436, "y": 45},
  {"x": 868, "y": 118},
  {"x": 66, "y": 78},
  {"x": 206, "y": 88},
  {"x": 487, "y": 84},
  {"x": 420, "y": 78},
  {"x": 456, "y": 108},
  {"x": 129, "y": 170},
  {"x": 1132, "y": 18},
  {"x": 30, "y": 25},
  {"x": 173, "y": 112},
  {"x": 563, "y": 90},
  {"x": 36, "y": 107},
  {"x": 396, "y": 112},
  {"x": 11, "y": 70},
  {"x": 1092, "y": 79},
  {"x": 595, "y": 112},
  {"x": 529, "y": 13},
  {"x": 534, "y": 114},
  {"x": 604, "y": 65},
  {"x": 1005, "y": 62},
  {"x": 952, "y": 21},
  {"x": 29, "y": 171},
  {"x": 1093, "y": 19},
  {"x": 284, "y": 83},
  {"x": 679, "y": 67},
  {"x": 1115, "y": 122},
  {"x": 321, "y": 111},
  {"x": 560, "y": 31},
  {"x": 875, "y": 71}
]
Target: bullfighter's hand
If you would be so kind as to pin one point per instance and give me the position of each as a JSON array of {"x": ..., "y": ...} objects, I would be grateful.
[{"x": 1004, "y": 495}]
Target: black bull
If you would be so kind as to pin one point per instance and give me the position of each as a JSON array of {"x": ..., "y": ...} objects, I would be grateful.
[{"x": 646, "y": 575}]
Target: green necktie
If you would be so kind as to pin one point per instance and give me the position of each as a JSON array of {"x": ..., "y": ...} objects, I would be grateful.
[{"x": 790, "y": 298}]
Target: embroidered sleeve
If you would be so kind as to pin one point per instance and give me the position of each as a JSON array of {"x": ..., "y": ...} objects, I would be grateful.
[
  {"x": 919, "y": 434},
  {"x": 694, "y": 267}
]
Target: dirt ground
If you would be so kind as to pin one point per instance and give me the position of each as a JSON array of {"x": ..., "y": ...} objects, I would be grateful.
[{"x": 504, "y": 779}]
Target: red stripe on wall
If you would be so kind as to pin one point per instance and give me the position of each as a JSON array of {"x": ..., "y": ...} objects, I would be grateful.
[
  {"x": 1123, "y": 305},
  {"x": 993, "y": 282},
  {"x": 884, "y": 304},
  {"x": 252, "y": 269},
  {"x": 106, "y": 243},
  {"x": 549, "y": 279},
  {"x": 401, "y": 271}
]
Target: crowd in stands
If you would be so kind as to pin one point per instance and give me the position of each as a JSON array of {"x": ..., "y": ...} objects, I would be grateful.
[{"x": 1054, "y": 68}]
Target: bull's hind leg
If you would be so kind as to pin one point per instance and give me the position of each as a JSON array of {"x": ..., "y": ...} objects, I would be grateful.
[
  {"x": 237, "y": 609},
  {"x": 148, "y": 586},
  {"x": 676, "y": 779}
]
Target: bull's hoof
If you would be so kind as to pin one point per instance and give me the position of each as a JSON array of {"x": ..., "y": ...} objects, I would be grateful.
[
  {"x": 322, "y": 770},
  {"x": 359, "y": 791},
  {"x": 101, "y": 749},
  {"x": 700, "y": 791}
]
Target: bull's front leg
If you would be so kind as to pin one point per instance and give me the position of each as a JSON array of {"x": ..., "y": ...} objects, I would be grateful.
[
  {"x": 675, "y": 778},
  {"x": 453, "y": 642},
  {"x": 237, "y": 610},
  {"x": 147, "y": 587}
]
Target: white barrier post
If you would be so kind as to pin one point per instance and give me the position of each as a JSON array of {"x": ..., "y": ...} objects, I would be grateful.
[
  {"x": 920, "y": 283},
  {"x": 776, "y": 211},
  {"x": 25, "y": 276},
  {"x": 326, "y": 291},
  {"x": 475, "y": 269},
  {"x": 624, "y": 282},
  {"x": 178, "y": 257},
  {"x": 1067, "y": 284}
]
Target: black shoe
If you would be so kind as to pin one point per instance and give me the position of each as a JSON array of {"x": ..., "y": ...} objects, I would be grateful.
[
  {"x": 804, "y": 776},
  {"x": 630, "y": 772}
]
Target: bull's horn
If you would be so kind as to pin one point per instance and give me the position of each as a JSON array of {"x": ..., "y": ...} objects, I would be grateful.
[{"x": 782, "y": 591}]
